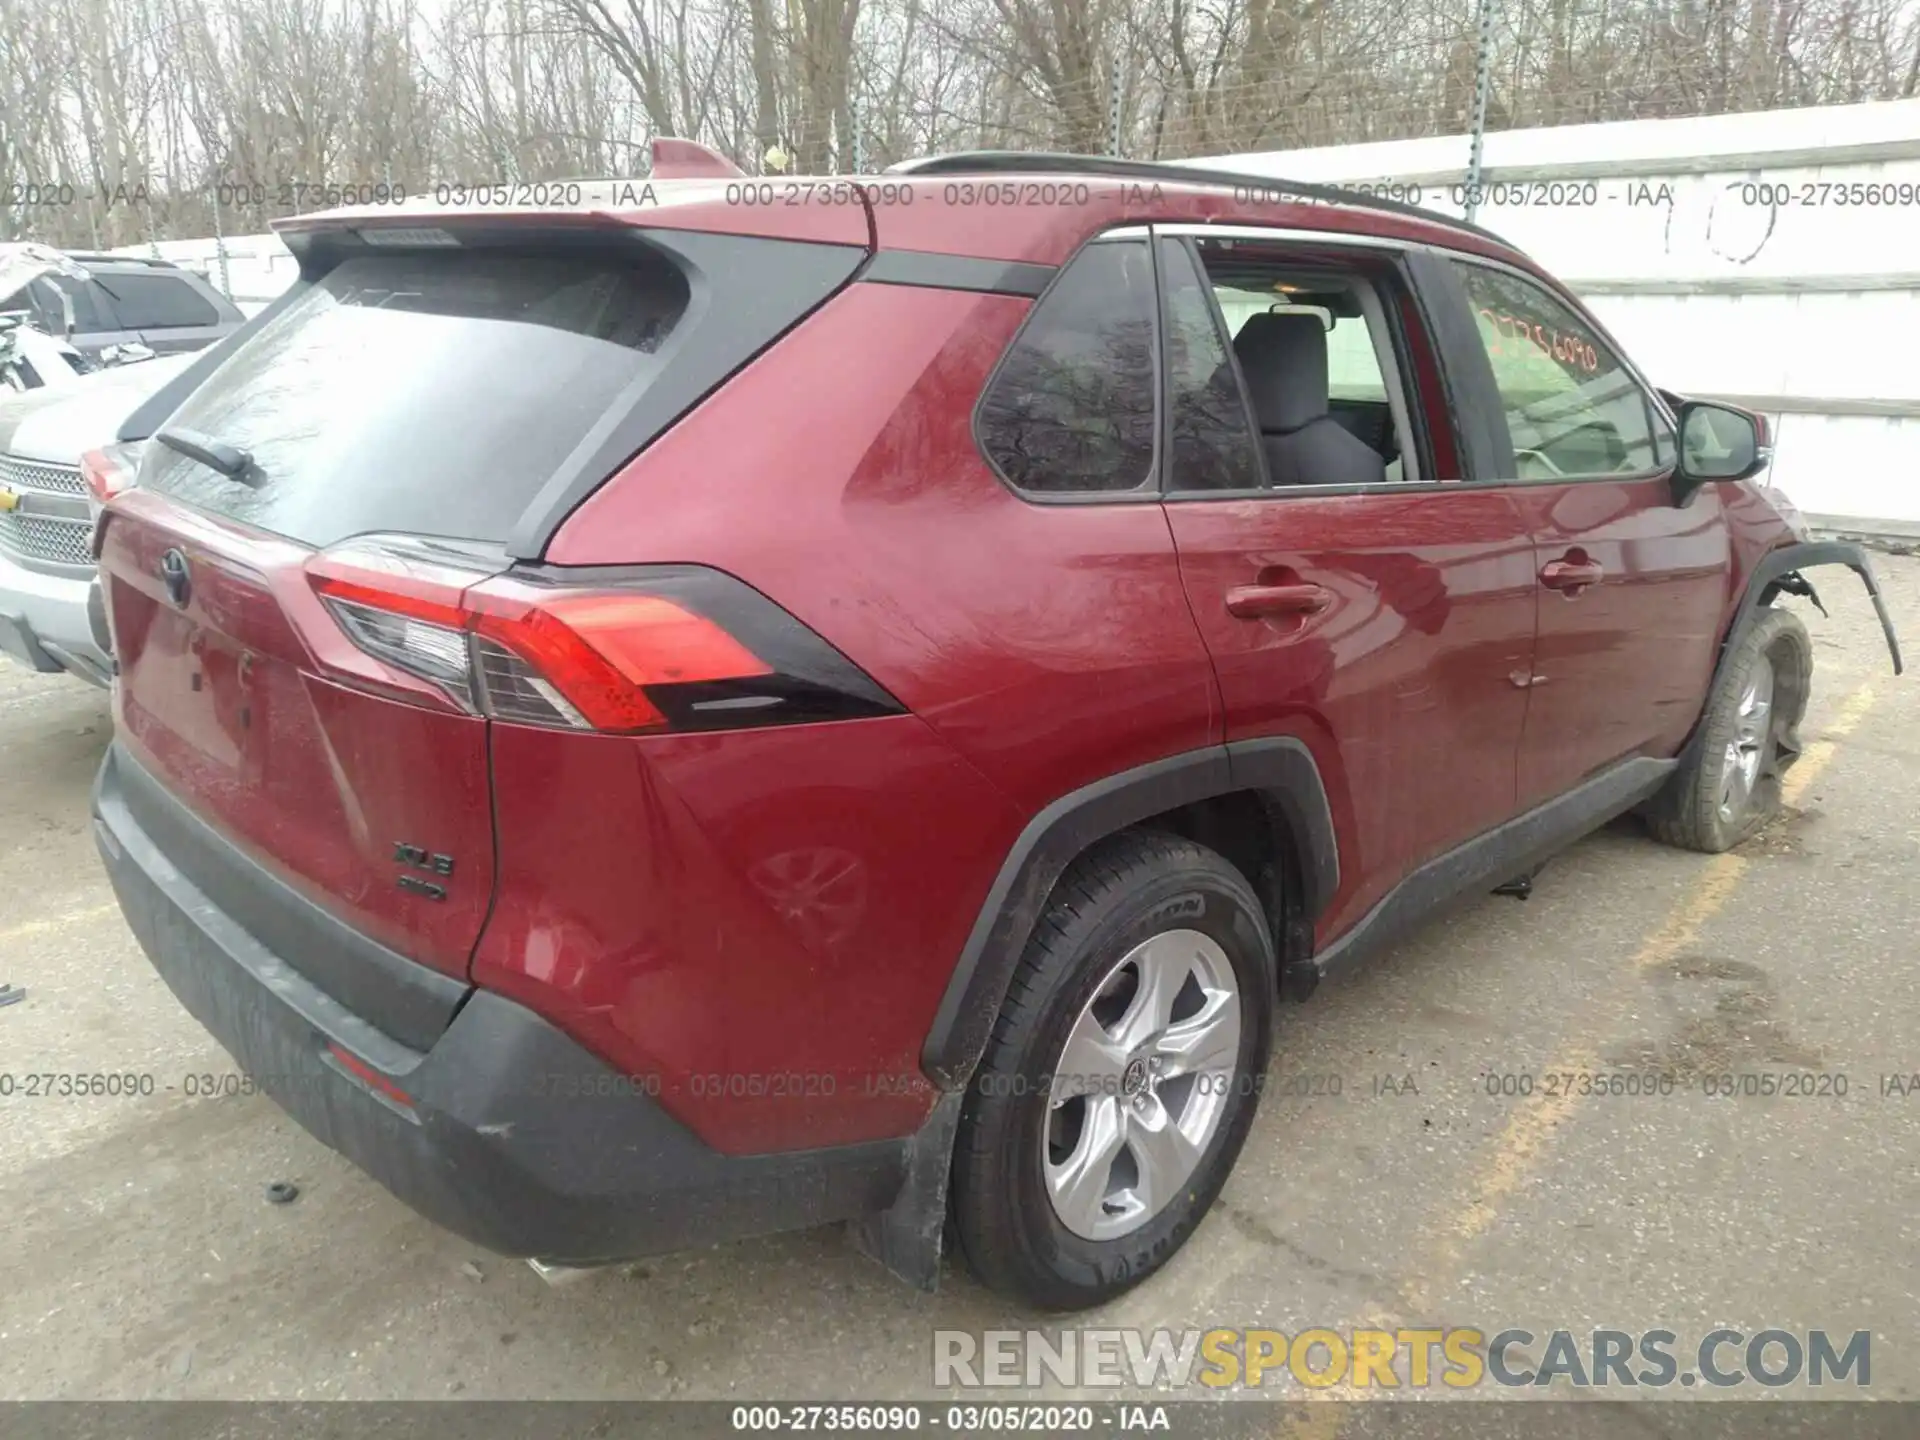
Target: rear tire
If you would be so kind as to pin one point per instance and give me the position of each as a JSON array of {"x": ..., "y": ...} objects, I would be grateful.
[
  {"x": 1750, "y": 735},
  {"x": 1121, "y": 1077}
]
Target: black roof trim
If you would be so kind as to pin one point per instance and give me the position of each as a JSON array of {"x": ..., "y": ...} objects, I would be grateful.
[
  {"x": 1041, "y": 162},
  {"x": 956, "y": 272}
]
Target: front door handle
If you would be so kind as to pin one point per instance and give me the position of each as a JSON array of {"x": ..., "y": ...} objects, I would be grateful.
[
  {"x": 1259, "y": 602},
  {"x": 1568, "y": 574}
]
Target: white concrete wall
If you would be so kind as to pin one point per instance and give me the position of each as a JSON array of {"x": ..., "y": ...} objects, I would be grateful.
[{"x": 1803, "y": 309}]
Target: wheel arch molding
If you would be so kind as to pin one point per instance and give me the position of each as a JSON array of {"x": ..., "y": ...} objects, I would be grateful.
[
  {"x": 1280, "y": 770},
  {"x": 1779, "y": 569}
]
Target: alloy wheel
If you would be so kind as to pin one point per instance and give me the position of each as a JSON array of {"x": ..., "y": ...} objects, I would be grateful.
[{"x": 1141, "y": 1084}]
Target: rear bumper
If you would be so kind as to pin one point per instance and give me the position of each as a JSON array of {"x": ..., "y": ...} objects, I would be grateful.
[
  {"x": 44, "y": 622},
  {"x": 515, "y": 1137}
]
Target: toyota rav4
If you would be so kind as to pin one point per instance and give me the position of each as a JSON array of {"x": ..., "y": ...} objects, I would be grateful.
[{"x": 753, "y": 704}]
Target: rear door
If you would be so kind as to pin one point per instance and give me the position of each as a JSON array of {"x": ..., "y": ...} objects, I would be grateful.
[
  {"x": 1632, "y": 587},
  {"x": 401, "y": 415},
  {"x": 1384, "y": 624}
]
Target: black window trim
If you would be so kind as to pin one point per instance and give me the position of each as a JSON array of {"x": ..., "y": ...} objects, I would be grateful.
[
  {"x": 1416, "y": 423},
  {"x": 1219, "y": 322},
  {"x": 1656, "y": 404},
  {"x": 1133, "y": 233}
]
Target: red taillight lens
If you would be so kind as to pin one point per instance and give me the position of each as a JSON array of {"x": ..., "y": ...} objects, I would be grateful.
[
  {"x": 109, "y": 471},
  {"x": 676, "y": 648},
  {"x": 652, "y": 641}
]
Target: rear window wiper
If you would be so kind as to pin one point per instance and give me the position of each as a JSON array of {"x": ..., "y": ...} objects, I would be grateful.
[{"x": 230, "y": 460}]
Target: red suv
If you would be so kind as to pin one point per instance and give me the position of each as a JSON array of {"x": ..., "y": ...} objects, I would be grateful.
[{"x": 761, "y": 703}]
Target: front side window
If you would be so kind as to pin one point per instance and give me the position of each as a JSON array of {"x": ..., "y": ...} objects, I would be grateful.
[
  {"x": 1572, "y": 408},
  {"x": 1071, "y": 408}
]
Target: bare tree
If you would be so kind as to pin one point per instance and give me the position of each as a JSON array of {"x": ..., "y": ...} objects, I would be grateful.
[{"x": 172, "y": 117}]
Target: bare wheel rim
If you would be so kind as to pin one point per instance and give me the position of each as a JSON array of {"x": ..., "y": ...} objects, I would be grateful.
[
  {"x": 1141, "y": 1084},
  {"x": 1747, "y": 748}
]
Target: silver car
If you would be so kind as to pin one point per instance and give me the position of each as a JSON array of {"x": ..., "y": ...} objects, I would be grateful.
[{"x": 46, "y": 561}]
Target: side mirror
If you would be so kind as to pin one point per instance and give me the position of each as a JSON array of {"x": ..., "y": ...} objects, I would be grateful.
[{"x": 1718, "y": 442}]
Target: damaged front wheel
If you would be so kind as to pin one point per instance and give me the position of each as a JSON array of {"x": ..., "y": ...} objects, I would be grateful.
[{"x": 1728, "y": 787}]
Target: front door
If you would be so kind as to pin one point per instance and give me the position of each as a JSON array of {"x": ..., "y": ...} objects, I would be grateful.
[{"x": 1632, "y": 587}]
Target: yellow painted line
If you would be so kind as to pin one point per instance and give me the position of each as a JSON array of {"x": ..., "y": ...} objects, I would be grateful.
[
  {"x": 58, "y": 922},
  {"x": 1529, "y": 1131},
  {"x": 1524, "y": 1141},
  {"x": 1321, "y": 1422},
  {"x": 1814, "y": 758}
]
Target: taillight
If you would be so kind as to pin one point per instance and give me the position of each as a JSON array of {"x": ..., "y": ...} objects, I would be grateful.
[
  {"x": 110, "y": 470},
  {"x": 106, "y": 473},
  {"x": 666, "y": 647}
]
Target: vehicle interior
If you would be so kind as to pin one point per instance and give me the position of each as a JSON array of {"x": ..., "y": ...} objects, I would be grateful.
[{"x": 1317, "y": 365}]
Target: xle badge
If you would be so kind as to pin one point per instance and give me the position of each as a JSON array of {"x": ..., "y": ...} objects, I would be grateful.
[{"x": 418, "y": 857}]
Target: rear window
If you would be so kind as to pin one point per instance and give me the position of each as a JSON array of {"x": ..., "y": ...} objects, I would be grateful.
[
  {"x": 430, "y": 394},
  {"x": 156, "y": 302}
]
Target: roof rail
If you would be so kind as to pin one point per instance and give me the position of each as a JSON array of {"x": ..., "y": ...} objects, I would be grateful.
[
  {"x": 98, "y": 255},
  {"x": 1035, "y": 162}
]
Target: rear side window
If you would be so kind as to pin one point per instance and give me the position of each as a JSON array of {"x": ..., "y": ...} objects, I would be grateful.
[
  {"x": 1071, "y": 407},
  {"x": 156, "y": 302},
  {"x": 428, "y": 394}
]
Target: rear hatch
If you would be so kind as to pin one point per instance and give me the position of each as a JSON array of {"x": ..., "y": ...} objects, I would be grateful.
[{"x": 285, "y": 577}]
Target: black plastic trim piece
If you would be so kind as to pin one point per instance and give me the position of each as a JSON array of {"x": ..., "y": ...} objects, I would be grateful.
[
  {"x": 1466, "y": 374},
  {"x": 1054, "y": 838},
  {"x": 404, "y": 1001},
  {"x": 1789, "y": 559},
  {"x": 1511, "y": 848},
  {"x": 957, "y": 272},
  {"x": 1283, "y": 769},
  {"x": 907, "y": 1236},
  {"x": 746, "y": 292}
]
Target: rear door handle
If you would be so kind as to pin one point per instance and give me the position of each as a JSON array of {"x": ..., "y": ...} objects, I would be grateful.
[
  {"x": 1567, "y": 575},
  {"x": 1258, "y": 602}
]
